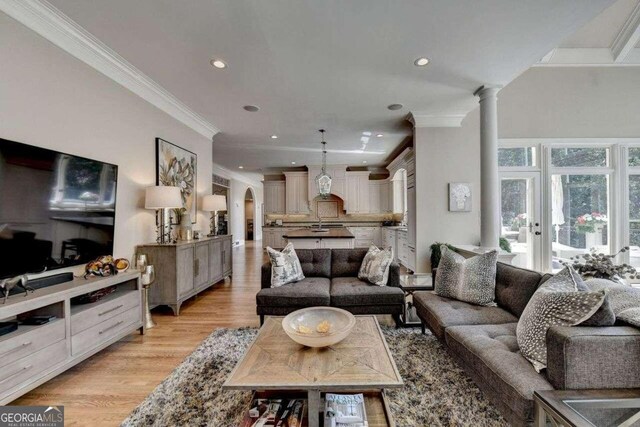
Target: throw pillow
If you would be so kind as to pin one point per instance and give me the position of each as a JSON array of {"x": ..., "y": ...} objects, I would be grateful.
[
  {"x": 375, "y": 266},
  {"x": 605, "y": 315},
  {"x": 624, "y": 300},
  {"x": 556, "y": 302},
  {"x": 285, "y": 266},
  {"x": 471, "y": 280}
]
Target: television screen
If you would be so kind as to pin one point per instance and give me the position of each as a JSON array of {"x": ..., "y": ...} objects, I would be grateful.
[{"x": 56, "y": 210}]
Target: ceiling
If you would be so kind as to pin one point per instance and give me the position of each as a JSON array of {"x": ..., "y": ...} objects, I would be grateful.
[{"x": 329, "y": 64}]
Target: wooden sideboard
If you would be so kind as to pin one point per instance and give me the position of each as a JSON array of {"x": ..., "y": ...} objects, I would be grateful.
[
  {"x": 186, "y": 268},
  {"x": 33, "y": 354}
]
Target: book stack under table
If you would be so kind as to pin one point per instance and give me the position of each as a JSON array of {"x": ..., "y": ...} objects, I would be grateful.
[{"x": 276, "y": 367}]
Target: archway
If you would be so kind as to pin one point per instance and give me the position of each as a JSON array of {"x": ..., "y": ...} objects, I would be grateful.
[{"x": 249, "y": 214}]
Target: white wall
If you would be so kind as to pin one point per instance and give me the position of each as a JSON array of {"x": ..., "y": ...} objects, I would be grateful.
[
  {"x": 237, "y": 190},
  {"x": 571, "y": 102},
  {"x": 445, "y": 155},
  {"x": 50, "y": 99}
]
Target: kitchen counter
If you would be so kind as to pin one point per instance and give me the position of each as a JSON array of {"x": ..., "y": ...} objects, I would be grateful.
[{"x": 331, "y": 233}]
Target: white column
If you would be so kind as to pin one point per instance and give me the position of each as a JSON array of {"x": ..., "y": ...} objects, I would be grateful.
[{"x": 489, "y": 179}]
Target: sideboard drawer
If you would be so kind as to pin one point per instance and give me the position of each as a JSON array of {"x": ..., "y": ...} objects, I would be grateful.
[
  {"x": 104, "y": 331},
  {"x": 24, "y": 369},
  {"x": 90, "y": 315},
  {"x": 36, "y": 338}
]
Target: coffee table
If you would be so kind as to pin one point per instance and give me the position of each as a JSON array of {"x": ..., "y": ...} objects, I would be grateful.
[
  {"x": 587, "y": 408},
  {"x": 360, "y": 363}
]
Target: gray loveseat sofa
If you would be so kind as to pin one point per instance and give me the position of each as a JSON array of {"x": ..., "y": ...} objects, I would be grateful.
[
  {"x": 483, "y": 341},
  {"x": 331, "y": 279}
]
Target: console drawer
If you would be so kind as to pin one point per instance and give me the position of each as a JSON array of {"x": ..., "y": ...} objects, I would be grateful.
[
  {"x": 88, "y": 315},
  {"x": 24, "y": 370},
  {"x": 30, "y": 339},
  {"x": 104, "y": 331}
]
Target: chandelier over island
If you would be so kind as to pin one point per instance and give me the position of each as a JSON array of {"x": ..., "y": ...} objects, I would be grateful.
[{"x": 323, "y": 180}]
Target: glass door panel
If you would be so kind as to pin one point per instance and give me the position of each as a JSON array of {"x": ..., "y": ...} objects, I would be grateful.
[
  {"x": 634, "y": 218},
  {"x": 580, "y": 216},
  {"x": 520, "y": 213}
]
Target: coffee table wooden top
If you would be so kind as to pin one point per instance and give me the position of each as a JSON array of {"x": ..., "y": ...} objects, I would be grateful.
[{"x": 275, "y": 362}]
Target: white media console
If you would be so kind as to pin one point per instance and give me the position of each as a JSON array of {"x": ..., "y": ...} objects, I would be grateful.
[{"x": 32, "y": 355}]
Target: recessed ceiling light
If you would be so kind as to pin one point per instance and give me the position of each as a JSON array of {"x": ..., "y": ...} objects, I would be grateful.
[
  {"x": 379, "y": 135},
  {"x": 274, "y": 136},
  {"x": 218, "y": 63},
  {"x": 251, "y": 108},
  {"x": 394, "y": 107},
  {"x": 364, "y": 162},
  {"x": 240, "y": 167},
  {"x": 293, "y": 163},
  {"x": 421, "y": 62}
]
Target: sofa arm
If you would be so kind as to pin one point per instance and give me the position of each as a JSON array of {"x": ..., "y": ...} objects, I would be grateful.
[
  {"x": 583, "y": 357},
  {"x": 265, "y": 280},
  {"x": 394, "y": 275}
]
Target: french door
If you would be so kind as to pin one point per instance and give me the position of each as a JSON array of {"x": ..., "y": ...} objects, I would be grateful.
[{"x": 521, "y": 217}]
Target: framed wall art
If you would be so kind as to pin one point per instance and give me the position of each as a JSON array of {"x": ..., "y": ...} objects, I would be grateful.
[{"x": 178, "y": 167}]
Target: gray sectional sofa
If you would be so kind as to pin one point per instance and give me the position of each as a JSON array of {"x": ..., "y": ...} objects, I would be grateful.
[
  {"x": 331, "y": 279},
  {"x": 483, "y": 341}
]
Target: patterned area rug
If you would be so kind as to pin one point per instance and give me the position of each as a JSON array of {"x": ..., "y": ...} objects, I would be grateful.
[{"x": 436, "y": 391}]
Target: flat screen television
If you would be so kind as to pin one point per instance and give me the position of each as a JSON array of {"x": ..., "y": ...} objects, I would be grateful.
[{"x": 56, "y": 210}]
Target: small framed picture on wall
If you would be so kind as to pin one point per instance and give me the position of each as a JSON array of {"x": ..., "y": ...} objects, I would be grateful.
[{"x": 459, "y": 197}]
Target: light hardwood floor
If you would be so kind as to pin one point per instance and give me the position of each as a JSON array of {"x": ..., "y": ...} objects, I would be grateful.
[{"x": 104, "y": 389}]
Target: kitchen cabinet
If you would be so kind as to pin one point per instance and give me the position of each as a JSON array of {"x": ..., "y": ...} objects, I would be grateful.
[
  {"x": 274, "y": 197},
  {"x": 296, "y": 193},
  {"x": 358, "y": 193},
  {"x": 274, "y": 237},
  {"x": 403, "y": 248},
  {"x": 366, "y": 236},
  {"x": 379, "y": 197}
]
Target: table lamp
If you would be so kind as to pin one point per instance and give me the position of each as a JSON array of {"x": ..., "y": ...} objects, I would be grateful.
[
  {"x": 214, "y": 203},
  {"x": 163, "y": 198}
]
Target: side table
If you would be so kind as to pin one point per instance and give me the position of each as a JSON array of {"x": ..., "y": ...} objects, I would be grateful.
[{"x": 410, "y": 283}]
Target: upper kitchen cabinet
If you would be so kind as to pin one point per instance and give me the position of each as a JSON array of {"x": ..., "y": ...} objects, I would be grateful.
[
  {"x": 358, "y": 193},
  {"x": 338, "y": 180},
  {"x": 379, "y": 197},
  {"x": 296, "y": 193},
  {"x": 274, "y": 197}
]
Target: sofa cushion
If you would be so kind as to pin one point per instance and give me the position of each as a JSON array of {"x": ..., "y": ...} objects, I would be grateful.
[
  {"x": 351, "y": 291},
  {"x": 308, "y": 292},
  {"x": 375, "y": 266},
  {"x": 315, "y": 262},
  {"x": 514, "y": 287},
  {"x": 346, "y": 262},
  {"x": 285, "y": 266},
  {"x": 491, "y": 351},
  {"x": 440, "y": 313}
]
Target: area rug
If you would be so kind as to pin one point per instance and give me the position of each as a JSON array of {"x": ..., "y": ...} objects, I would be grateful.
[{"x": 436, "y": 392}]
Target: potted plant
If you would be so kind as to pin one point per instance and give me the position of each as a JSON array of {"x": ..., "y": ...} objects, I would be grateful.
[
  {"x": 601, "y": 266},
  {"x": 591, "y": 226}
]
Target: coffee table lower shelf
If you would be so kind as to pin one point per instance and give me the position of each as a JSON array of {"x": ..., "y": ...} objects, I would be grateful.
[{"x": 375, "y": 403}]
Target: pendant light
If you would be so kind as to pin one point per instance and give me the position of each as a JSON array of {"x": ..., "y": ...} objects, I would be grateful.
[{"x": 323, "y": 180}]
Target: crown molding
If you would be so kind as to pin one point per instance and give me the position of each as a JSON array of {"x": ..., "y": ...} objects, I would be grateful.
[
  {"x": 419, "y": 120},
  {"x": 49, "y": 22},
  {"x": 589, "y": 57},
  {"x": 238, "y": 176},
  {"x": 628, "y": 37}
]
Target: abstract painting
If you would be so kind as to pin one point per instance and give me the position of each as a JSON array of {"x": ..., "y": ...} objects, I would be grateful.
[{"x": 177, "y": 167}]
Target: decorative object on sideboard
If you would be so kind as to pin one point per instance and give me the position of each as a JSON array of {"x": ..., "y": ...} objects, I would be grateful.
[
  {"x": 147, "y": 278},
  {"x": 177, "y": 167},
  {"x": 214, "y": 203},
  {"x": 459, "y": 197},
  {"x": 20, "y": 281},
  {"x": 601, "y": 266},
  {"x": 163, "y": 198},
  {"x": 185, "y": 229},
  {"x": 102, "y": 266},
  {"x": 122, "y": 265},
  {"x": 323, "y": 180}
]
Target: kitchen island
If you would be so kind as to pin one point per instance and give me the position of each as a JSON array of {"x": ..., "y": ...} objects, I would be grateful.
[{"x": 314, "y": 238}]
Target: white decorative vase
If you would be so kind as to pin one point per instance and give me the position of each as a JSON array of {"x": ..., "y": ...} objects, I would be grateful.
[{"x": 593, "y": 239}]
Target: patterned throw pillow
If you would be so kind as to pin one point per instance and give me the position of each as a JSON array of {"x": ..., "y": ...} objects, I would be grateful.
[
  {"x": 471, "y": 280},
  {"x": 558, "y": 301},
  {"x": 375, "y": 266},
  {"x": 285, "y": 266},
  {"x": 623, "y": 299}
]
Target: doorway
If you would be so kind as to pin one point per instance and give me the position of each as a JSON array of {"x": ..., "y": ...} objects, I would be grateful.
[
  {"x": 521, "y": 217},
  {"x": 249, "y": 207}
]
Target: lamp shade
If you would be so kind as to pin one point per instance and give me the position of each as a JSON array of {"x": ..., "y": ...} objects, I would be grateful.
[
  {"x": 214, "y": 202},
  {"x": 161, "y": 197}
]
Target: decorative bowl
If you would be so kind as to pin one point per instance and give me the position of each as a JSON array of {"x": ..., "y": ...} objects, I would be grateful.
[{"x": 302, "y": 326}]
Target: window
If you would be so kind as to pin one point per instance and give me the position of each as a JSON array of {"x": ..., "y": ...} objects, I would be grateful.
[
  {"x": 579, "y": 157},
  {"x": 517, "y": 157},
  {"x": 634, "y": 156},
  {"x": 634, "y": 219}
]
